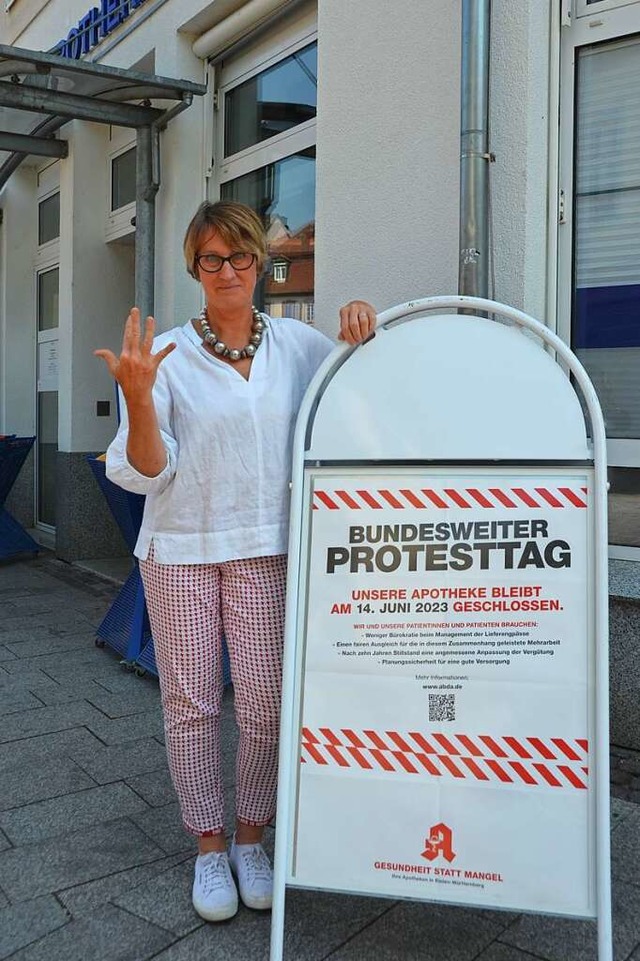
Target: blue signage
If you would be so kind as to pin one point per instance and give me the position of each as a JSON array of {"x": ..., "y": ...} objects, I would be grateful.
[{"x": 96, "y": 24}]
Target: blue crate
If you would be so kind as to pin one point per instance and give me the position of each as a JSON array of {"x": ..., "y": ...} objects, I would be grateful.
[
  {"x": 13, "y": 537},
  {"x": 127, "y": 508},
  {"x": 125, "y": 627}
]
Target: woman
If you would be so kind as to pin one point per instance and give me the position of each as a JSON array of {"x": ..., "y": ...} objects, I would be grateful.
[{"x": 206, "y": 435}]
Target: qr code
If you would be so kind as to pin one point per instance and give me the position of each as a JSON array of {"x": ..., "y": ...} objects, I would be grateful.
[{"x": 442, "y": 707}]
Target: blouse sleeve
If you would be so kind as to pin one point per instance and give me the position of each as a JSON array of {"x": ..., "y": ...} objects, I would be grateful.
[
  {"x": 320, "y": 347},
  {"x": 120, "y": 470}
]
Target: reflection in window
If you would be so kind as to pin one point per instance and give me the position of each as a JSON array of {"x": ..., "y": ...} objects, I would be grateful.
[
  {"x": 283, "y": 193},
  {"x": 624, "y": 506},
  {"x": 273, "y": 101},
  {"x": 606, "y": 269},
  {"x": 49, "y": 219},
  {"x": 605, "y": 327},
  {"x": 123, "y": 179},
  {"x": 279, "y": 271},
  {"x": 48, "y": 298}
]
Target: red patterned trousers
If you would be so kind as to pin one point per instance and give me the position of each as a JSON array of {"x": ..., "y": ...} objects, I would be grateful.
[{"x": 190, "y": 607}]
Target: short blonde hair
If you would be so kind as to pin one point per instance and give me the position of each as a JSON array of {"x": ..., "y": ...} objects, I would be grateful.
[{"x": 237, "y": 224}]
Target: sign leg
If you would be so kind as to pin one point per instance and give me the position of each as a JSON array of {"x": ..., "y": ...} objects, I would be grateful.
[{"x": 277, "y": 917}]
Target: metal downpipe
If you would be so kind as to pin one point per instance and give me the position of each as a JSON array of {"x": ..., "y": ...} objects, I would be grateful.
[
  {"x": 146, "y": 191},
  {"x": 473, "y": 270},
  {"x": 147, "y": 186}
]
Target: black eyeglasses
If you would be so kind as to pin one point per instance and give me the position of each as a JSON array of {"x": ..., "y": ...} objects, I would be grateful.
[{"x": 212, "y": 263}]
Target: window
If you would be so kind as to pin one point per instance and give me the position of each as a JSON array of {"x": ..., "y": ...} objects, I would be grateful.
[
  {"x": 273, "y": 101},
  {"x": 283, "y": 193},
  {"x": 120, "y": 172},
  {"x": 279, "y": 271},
  {"x": 606, "y": 329},
  {"x": 49, "y": 219},
  {"x": 599, "y": 245},
  {"x": 123, "y": 179},
  {"x": 267, "y": 138},
  {"x": 588, "y": 8},
  {"x": 48, "y": 297}
]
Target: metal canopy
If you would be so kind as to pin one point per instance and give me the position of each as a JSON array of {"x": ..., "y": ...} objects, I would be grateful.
[{"x": 39, "y": 92}]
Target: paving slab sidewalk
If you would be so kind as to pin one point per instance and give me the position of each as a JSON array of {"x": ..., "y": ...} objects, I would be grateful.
[{"x": 94, "y": 862}]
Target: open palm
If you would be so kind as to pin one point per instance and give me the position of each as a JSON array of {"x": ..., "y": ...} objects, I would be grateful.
[{"x": 136, "y": 368}]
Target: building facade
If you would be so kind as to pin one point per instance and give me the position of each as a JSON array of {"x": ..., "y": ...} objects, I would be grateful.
[{"x": 340, "y": 123}]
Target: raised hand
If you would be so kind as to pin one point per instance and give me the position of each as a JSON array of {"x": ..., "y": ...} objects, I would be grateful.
[
  {"x": 136, "y": 368},
  {"x": 357, "y": 321}
]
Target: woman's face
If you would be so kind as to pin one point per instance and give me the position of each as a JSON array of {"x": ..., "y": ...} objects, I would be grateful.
[{"x": 227, "y": 289}]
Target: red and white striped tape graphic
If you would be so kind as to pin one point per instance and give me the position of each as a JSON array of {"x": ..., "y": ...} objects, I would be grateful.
[
  {"x": 447, "y": 497},
  {"x": 552, "y": 762}
]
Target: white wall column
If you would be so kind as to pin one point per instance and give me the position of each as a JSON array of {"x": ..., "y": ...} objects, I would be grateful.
[
  {"x": 17, "y": 307},
  {"x": 96, "y": 292},
  {"x": 388, "y": 152},
  {"x": 519, "y": 137}
]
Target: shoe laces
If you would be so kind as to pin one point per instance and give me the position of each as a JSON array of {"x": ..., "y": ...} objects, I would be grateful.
[
  {"x": 256, "y": 863},
  {"x": 214, "y": 871}
]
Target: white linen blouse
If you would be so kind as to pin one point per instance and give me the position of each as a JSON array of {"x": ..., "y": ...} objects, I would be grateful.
[{"x": 224, "y": 492}]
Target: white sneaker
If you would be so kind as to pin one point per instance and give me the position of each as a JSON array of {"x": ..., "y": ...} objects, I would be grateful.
[
  {"x": 214, "y": 895},
  {"x": 251, "y": 866}
]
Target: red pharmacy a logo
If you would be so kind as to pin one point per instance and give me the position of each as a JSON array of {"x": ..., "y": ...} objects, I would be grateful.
[{"x": 439, "y": 842}]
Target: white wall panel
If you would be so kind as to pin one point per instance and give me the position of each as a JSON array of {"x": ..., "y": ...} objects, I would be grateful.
[
  {"x": 17, "y": 305},
  {"x": 519, "y": 139},
  {"x": 388, "y": 148}
]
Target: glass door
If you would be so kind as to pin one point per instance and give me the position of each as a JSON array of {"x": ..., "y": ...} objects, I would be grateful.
[
  {"x": 599, "y": 243},
  {"x": 47, "y": 399}
]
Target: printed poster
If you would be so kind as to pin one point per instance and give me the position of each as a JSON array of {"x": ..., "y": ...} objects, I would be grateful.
[{"x": 447, "y": 689}]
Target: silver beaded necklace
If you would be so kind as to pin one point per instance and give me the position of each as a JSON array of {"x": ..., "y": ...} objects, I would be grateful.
[{"x": 232, "y": 353}]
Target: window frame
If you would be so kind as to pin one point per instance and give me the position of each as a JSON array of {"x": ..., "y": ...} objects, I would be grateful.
[
  {"x": 231, "y": 85},
  {"x": 279, "y": 146},
  {"x": 48, "y": 244},
  {"x": 118, "y": 223},
  {"x": 268, "y": 52},
  {"x": 280, "y": 271},
  {"x": 114, "y": 160},
  {"x": 606, "y": 22},
  {"x": 584, "y": 9}
]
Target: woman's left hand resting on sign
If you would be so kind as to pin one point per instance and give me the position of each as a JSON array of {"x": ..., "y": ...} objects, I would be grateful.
[{"x": 357, "y": 321}]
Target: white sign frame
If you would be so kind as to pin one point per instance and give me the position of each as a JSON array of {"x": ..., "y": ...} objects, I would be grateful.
[{"x": 321, "y": 444}]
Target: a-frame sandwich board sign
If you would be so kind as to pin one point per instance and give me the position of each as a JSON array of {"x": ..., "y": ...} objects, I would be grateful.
[{"x": 445, "y": 703}]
